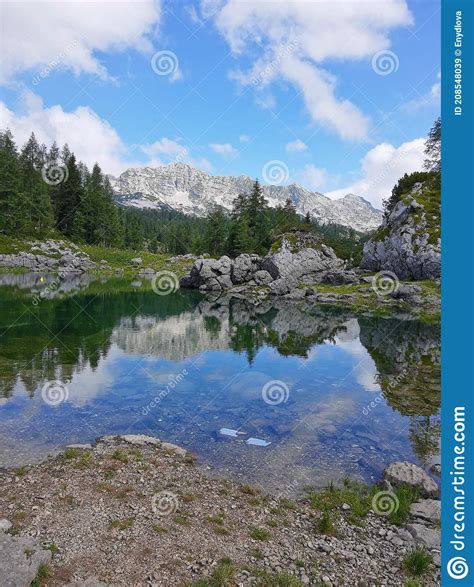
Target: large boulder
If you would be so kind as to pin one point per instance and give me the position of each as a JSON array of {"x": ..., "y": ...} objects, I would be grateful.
[
  {"x": 408, "y": 242},
  {"x": 20, "y": 559},
  {"x": 404, "y": 473},
  {"x": 293, "y": 258},
  {"x": 291, "y": 262}
]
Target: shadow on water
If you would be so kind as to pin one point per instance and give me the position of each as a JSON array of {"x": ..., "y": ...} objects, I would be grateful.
[{"x": 350, "y": 394}]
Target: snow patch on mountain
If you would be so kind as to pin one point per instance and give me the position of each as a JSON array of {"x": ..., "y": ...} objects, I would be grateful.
[{"x": 180, "y": 187}]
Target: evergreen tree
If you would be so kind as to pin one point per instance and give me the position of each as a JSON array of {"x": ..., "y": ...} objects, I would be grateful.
[
  {"x": 433, "y": 148},
  {"x": 215, "y": 236},
  {"x": 71, "y": 194},
  {"x": 34, "y": 195},
  {"x": 10, "y": 211}
]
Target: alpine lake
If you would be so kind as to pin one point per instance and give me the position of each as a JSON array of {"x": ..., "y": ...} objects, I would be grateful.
[{"x": 281, "y": 394}]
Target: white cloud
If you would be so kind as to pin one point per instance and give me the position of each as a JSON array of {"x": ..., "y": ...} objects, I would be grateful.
[
  {"x": 167, "y": 147},
  {"x": 244, "y": 138},
  {"x": 295, "y": 146},
  {"x": 224, "y": 149},
  {"x": 313, "y": 178},
  {"x": 431, "y": 98},
  {"x": 40, "y": 35},
  {"x": 280, "y": 37},
  {"x": 168, "y": 150},
  {"x": 90, "y": 137},
  {"x": 381, "y": 168}
]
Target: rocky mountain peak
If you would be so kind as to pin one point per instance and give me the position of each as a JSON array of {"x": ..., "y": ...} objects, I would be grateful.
[{"x": 181, "y": 187}]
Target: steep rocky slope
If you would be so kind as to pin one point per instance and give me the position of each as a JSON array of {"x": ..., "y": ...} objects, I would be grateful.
[
  {"x": 181, "y": 187},
  {"x": 408, "y": 242}
]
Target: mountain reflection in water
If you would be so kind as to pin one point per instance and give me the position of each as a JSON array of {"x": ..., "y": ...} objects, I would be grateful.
[{"x": 358, "y": 392}]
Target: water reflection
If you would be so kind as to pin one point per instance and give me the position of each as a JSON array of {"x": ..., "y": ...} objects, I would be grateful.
[{"x": 362, "y": 391}]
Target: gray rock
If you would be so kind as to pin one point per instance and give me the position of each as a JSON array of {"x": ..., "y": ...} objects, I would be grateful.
[
  {"x": 427, "y": 509},
  {"x": 403, "y": 473},
  {"x": 20, "y": 559},
  {"x": 135, "y": 439},
  {"x": 403, "y": 244},
  {"x": 136, "y": 261},
  {"x": 242, "y": 269},
  {"x": 406, "y": 291},
  {"x": 5, "y": 525},
  {"x": 299, "y": 257},
  {"x": 262, "y": 277},
  {"x": 429, "y": 537}
]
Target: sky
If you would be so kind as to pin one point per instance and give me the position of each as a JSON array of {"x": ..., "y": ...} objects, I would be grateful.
[{"x": 337, "y": 96}]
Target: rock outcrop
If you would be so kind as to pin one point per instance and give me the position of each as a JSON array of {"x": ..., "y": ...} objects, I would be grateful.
[
  {"x": 293, "y": 259},
  {"x": 408, "y": 242},
  {"x": 50, "y": 256}
]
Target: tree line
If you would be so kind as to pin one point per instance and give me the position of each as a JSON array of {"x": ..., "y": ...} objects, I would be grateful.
[{"x": 48, "y": 192}]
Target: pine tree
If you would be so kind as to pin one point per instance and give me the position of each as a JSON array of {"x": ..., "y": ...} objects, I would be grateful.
[
  {"x": 433, "y": 148},
  {"x": 10, "y": 213},
  {"x": 71, "y": 194},
  {"x": 34, "y": 192},
  {"x": 215, "y": 237}
]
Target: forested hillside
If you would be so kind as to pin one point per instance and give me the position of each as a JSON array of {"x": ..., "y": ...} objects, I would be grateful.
[{"x": 47, "y": 191}]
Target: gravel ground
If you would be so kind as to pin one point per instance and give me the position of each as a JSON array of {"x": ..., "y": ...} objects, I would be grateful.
[{"x": 141, "y": 512}]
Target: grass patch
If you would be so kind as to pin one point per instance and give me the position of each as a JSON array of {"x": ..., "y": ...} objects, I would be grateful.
[
  {"x": 71, "y": 453},
  {"x": 406, "y": 496},
  {"x": 157, "y": 529},
  {"x": 325, "y": 524},
  {"x": 357, "y": 495},
  {"x": 221, "y": 576},
  {"x": 249, "y": 490},
  {"x": 21, "y": 471},
  {"x": 120, "y": 455},
  {"x": 43, "y": 573},
  {"x": 260, "y": 534},
  {"x": 52, "y": 548},
  {"x": 417, "y": 561},
  {"x": 276, "y": 580}
]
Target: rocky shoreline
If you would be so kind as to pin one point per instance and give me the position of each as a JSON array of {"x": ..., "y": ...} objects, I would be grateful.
[{"x": 132, "y": 510}]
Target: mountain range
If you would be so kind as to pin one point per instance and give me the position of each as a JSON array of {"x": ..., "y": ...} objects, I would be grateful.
[{"x": 181, "y": 187}]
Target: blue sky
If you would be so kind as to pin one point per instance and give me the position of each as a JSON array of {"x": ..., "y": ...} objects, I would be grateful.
[{"x": 340, "y": 94}]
